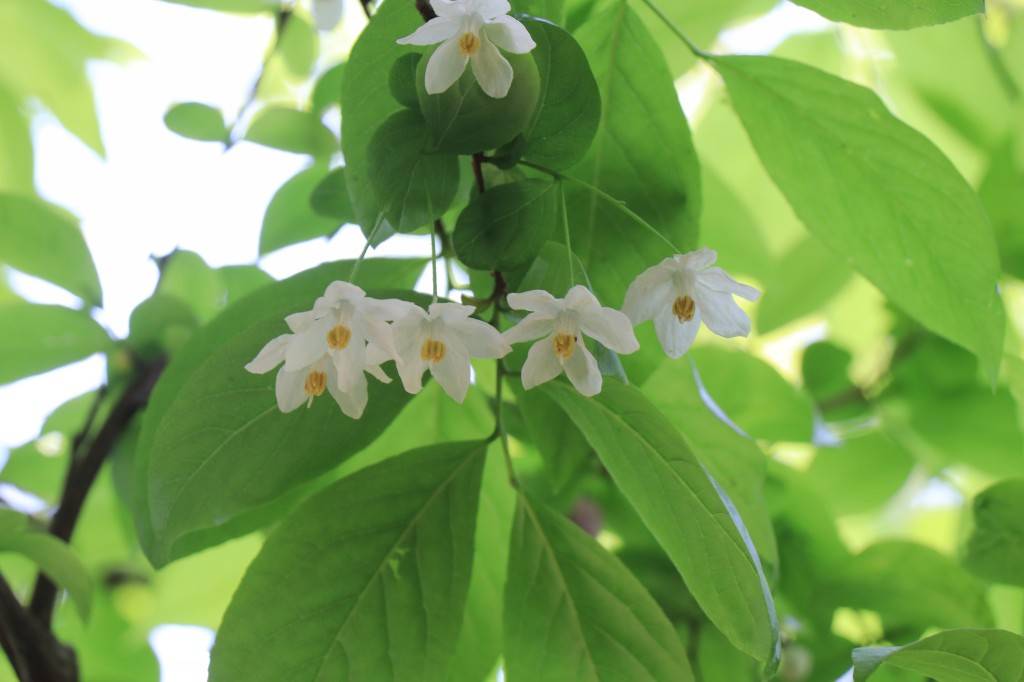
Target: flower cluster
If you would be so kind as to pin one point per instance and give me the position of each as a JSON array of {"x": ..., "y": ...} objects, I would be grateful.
[{"x": 348, "y": 334}]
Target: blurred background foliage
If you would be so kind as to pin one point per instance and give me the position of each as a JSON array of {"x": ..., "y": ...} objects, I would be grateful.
[{"x": 885, "y": 472}]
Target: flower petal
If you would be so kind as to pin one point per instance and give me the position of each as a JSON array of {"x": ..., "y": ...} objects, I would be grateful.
[
  {"x": 389, "y": 309},
  {"x": 309, "y": 346},
  {"x": 450, "y": 312},
  {"x": 533, "y": 326},
  {"x": 445, "y": 67},
  {"x": 448, "y": 9},
  {"x": 352, "y": 402},
  {"x": 676, "y": 337},
  {"x": 436, "y": 30},
  {"x": 349, "y": 364},
  {"x": 270, "y": 356},
  {"x": 538, "y": 301},
  {"x": 611, "y": 328},
  {"x": 581, "y": 368},
  {"x": 452, "y": 372},
  {"x": 489, "y": 9},
  {"x": 299, "y": 322},
  {"x": 541, "y": 364},
  {"x": 696, "y": 260},
  {"x": 480, "y": 339},
  {"x": 719, "y": 280},
  {"x": 649, "y": 293},
  {"x": 509, "y": 34},
  {"x": 289, "y": 389},
  {"x": 492, "y": 70},
  {"x": 411, "y": 373},
  {"x": 581, "y": 298},
  {"x": 721, "y": 313},
  {"x": 339, "y": 290}
]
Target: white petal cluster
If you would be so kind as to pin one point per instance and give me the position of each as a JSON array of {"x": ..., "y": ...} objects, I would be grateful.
[
  {"x": 681, "y": 292},
  {"x": 561, "y": 324},
  {"x": 470, "y": 32}
]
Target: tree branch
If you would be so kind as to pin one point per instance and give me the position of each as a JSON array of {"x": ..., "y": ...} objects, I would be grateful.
[
  {"x": 34, "y": 653},
  {"x": 82, "y": 472}
]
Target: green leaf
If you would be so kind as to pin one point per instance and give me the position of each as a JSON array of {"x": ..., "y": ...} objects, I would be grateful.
[
  {"x": 806, "y": 278},
  {"x": 464, "y": 120},
  {"x": 642, "y": 155},
  {"x": 896, "y": 14},
  {"x": 238, "y": 6},
  {"x": 689, "y": 515},
  {"x": 327, "y": 91},
  {"x": 208, "y": 468},
  {"x": 197, "y": 121},
  {"x": 561, "y": 445},
  {"x": 754, "y": 395},
  {"x": 505, "y": 227},
  {"x": 1000, "y": 191},
  {"x": 42, "y": 337},
  {"x": 995, "y": 550},
  {"x": 911, "y": 585},
  {"x": 160, "y": 325},
  {"x": 569, "y": 104},
  {"x": 965, "y": 655},
  {"x": 366, "y": 99},
  {"x": 480, "y": 640},
  {"x": 17, "y": 165},
  {"x": 330, "y": 197},
  {"x": 299, "y": 45},
  {"x": 402, "y": 80},
  {"x": 861, "y": 474},
  {"x": 413, "y": 185},
  {"x": 548, "y": 271},
  {"x": 43, "y": 240},
  {"x": 242, "y": 280},
  {"x": 574, "y": 612},
  {"x": 54, "y": 557},
  {"x": 378, "y": 568},
  {"x": 825, "y": 368},
  {"x": 291, "y": 130},
  {"x": 291, "y": 216},
  {"x": 187, "y": 277},
  {"x": 881, "y": 195}
]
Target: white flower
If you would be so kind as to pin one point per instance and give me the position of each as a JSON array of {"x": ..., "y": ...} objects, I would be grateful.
[
  {"x": 304, "y": 383},
  {"x": 563, "y": 322},
  {"x": 471, "y": 31},
  {"x": 443, "y": 340},
  {"x": 683, "y": 290}
]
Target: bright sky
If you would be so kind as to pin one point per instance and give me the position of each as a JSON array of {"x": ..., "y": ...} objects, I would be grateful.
[{"x": 156, "y": 191}]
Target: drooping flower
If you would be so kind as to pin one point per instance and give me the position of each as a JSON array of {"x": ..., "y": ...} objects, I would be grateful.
[
  {"x": 442, "y": 339},
  {"x": 563, "y": 323},
  {"x": 471, "y": 31},
  {"x": 303, "y": 384},
  {"x": 682, "y": 291}
]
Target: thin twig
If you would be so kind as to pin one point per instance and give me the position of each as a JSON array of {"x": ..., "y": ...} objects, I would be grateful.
[
  {"x": 697, "y": 52},
  {"x": 478, "y": 172}
]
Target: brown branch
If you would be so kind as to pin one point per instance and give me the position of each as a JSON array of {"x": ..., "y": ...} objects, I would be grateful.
[
  {"x": 82, "y": 471},
  {"x": 425, "y": 10},
  {"x": 34, "y": 653},
  {"x": 478, "y": 172}
]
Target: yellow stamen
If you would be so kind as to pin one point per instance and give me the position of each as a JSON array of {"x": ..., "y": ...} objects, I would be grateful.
[
  {"x": 468, "y": 44},
  {"x": 338, "y": 337},
  {"x": 565, "y": 345},
  {"x": 684, "y": 308},
  {"x": 316, "y": 383},
  {"x": 432, "y": 350}
]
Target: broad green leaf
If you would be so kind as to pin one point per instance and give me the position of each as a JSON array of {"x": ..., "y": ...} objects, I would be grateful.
[
  {"x": 1000, "y": 191},
  {"x": 690, "y": 516},
  {"x": 896, "y": 14},
  {"x": 552, "y": 10},
  {"x": 805, "y": 280},
  {"x": 549, "y": 271},
  {"x": 330, "y": 197},
  {"x": 402, "y": 80},
  {"x": 995, "y": 550},
  {"x": 861, "y": 474},
  {"x": 730, "y": 228},
  {"x": 291, "y": 216},
  {"x": 825, "y": 368},
  {"x": 377, "y": 568},
  {"x": 187, "y": 277},
  {"x": 574, "y": 612},
  {"x": 480, "y": 640},
  {"x": 366, "y": 99},
  {"x": 327, "y": 91},
  {"x": 197, "y": 121},
  {"x": 465, "y": 120},
  {"x": 160, "y": 325},
  {"x": 54, "y": 557},
  {"x": 43, "y": 240},
  {"x": 298, "y": 46},
  {"x": 719, "y": 660},
  {"x": 642, "y": 155},
  {"x": 569, "y": 104},
  {"x": 291, "y": 130},
  {"x": 209, "y": 469},
  {"x": 17, "y": 165},
  {"x": 242, "y": 280},
  {"x": 735, "y": 461},
  {"x": 239, "y": 6},
  {"x": 882, "y": 195},
  {"x": 38, "y": 338},
  {"x": 754, "y": 395},
  {"x": 965, "y": 655},
  {"x": 911, "y": 585},
  {"x": 413, "y": 185},
  {"x": 505, "y": 227},
  {"x": 560, "y": 444}
]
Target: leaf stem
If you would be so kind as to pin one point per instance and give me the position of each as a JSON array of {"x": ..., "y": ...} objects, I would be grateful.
[
  {"x": 568, "y": 239},
  {"x": 697, "y": 52},
  {"x": 366, "y": 247},
  {"x": 620, "y": 205}
]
